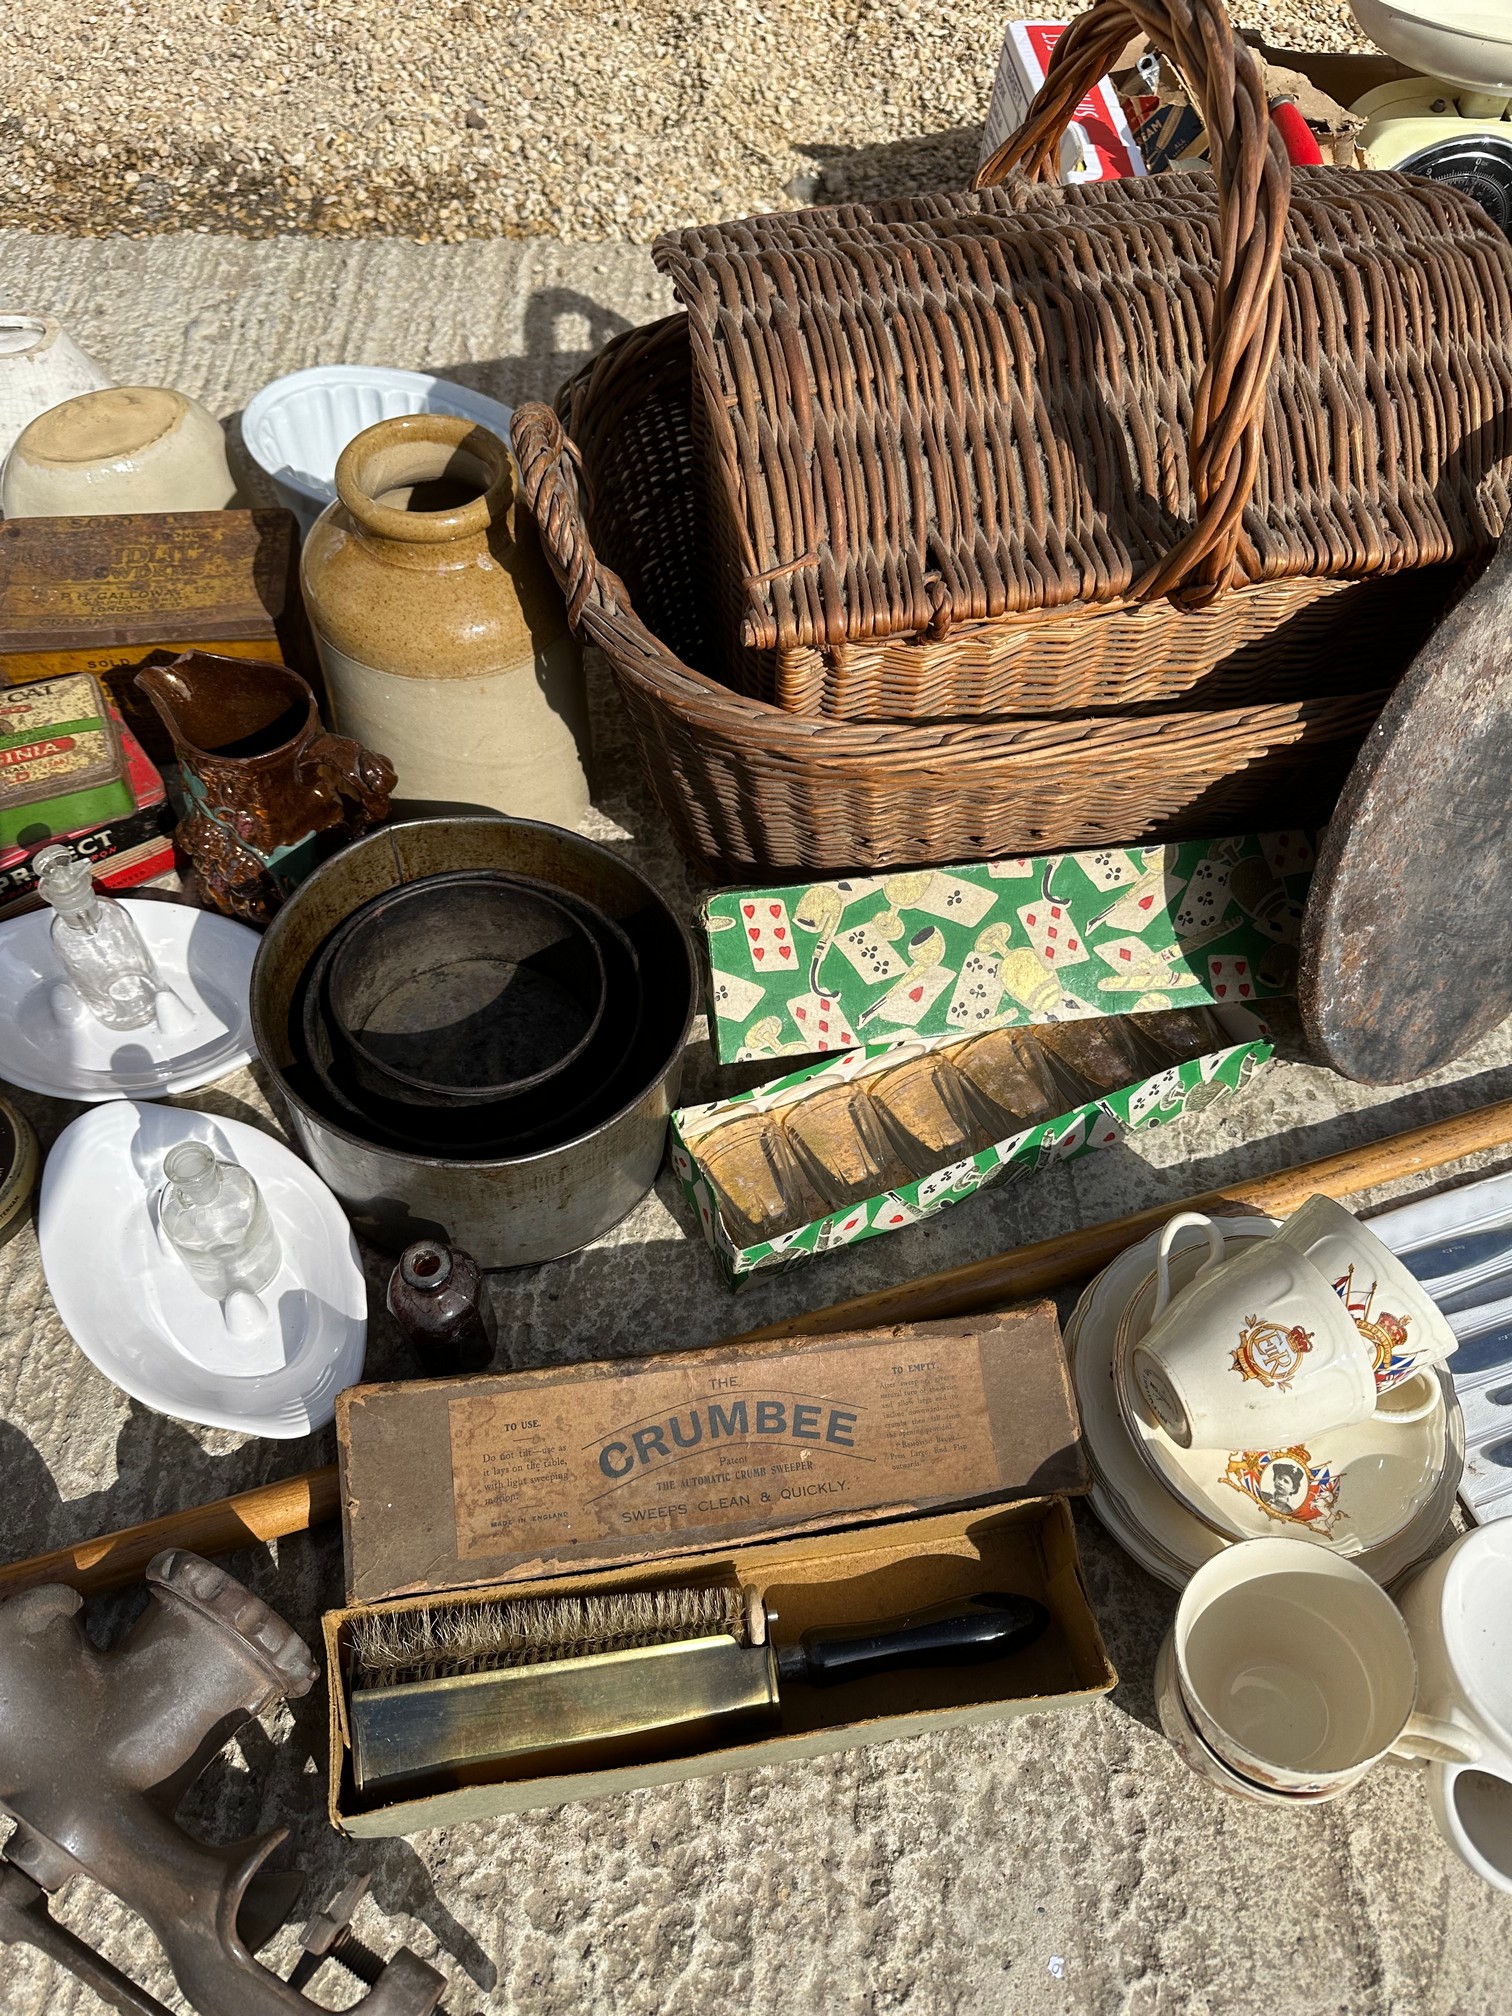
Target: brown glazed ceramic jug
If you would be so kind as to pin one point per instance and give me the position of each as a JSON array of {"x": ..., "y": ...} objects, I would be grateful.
[
  {"x": 442, "y": 635},
  {"x": 269, "y": 791}
]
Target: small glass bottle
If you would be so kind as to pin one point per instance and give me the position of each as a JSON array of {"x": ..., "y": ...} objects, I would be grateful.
[
  {"x": 214, "y": 1217},
  {"x": 97, "y": 944},
  {"x": 436, "y": 1296}
]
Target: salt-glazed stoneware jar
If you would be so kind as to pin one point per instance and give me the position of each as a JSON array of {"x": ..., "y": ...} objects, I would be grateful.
[
  {"x": 127, "y": 448},
  {"x": 40, "y": 367},
  {"x": 443, "y": 638}
]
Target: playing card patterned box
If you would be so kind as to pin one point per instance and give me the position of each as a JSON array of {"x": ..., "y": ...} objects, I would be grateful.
[
  {"x": 1151, "y": 1101},
  {"x": 952, "y": 951}
]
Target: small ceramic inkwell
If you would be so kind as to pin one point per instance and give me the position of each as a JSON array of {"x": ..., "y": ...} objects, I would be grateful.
[
  {"x": 436, "y": 1296},
  {"x": 270, "y": 792}
]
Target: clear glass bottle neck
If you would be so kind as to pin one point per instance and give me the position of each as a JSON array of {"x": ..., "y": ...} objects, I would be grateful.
[
  {"x": 66, "y": 883},
  {"x": 193, "y": 1171},
  {"x": 81, "y": 915}
]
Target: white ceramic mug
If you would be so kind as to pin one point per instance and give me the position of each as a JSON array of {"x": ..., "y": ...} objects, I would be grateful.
[
  {"x": 1458, "y": 1611},
  {"x": 1400, "y": 1321},
  {"x": 1256, "y": 1352},
  {"x": 1298, "y": 1672},
  {"x": 1187, "y": 1740}
]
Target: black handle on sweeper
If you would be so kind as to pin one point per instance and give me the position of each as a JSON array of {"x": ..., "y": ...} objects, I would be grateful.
[{"x": 969, "y": 1631}]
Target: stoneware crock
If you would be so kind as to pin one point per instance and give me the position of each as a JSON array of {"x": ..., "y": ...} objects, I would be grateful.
[
  {"x": 126, "y": 449},
  {"x": 40, "y": 367},
  {"x": 443, "y": 638}
]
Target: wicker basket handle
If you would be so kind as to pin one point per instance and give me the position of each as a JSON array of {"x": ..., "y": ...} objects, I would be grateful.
[
  {"x": 550, "y": 476},
  {"x": 1254, "y": 188},
  {"x": 598, "y": 603}
]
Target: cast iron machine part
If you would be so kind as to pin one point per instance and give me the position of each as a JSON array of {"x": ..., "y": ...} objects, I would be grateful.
[{"x": 96, "y": 1751}]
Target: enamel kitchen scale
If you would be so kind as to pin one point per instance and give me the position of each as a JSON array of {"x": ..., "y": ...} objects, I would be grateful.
[{"x": 1452, "y": 121}]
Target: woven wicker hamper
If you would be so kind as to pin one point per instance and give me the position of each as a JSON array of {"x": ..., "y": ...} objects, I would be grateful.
[
  {"x": 1190, "y": 464},
  {"x": 750, "y": 790}
]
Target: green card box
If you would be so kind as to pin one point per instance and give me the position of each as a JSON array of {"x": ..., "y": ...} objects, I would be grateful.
[
  {"x": 1151, "y": 1102},
  {"x": 954, "y": 951}
]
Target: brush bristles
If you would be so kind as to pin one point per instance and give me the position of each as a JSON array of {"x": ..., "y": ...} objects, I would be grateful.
[{"x": 439, "y": 1641}]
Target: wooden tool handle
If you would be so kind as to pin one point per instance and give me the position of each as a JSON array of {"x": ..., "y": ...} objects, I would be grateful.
[
  {"x": 272, "y": 1511},
  {"x": 1050, "y": 1263},
  {"x": 267, "y": 1512}
]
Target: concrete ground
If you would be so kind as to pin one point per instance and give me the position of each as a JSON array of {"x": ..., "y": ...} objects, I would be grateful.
[{"x": 1064, "y": 1866}]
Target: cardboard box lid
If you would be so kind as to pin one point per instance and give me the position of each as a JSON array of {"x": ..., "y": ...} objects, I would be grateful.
[
  {"x": 458, "y": 1483},
  {"x": 986, "y": 945}
]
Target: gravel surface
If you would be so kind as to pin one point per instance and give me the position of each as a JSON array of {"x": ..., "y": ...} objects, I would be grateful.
[{"x": 451, "y": 119}]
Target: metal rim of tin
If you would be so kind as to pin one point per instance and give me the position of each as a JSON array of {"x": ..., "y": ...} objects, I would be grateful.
[
  {"x": 346, "y": 945},
  {"x": 267, "y": 1053},
  {"x": 20, "y": 1164}
]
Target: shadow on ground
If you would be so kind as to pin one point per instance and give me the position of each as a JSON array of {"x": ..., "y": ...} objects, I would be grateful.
[{"x": 898, "y": 168}]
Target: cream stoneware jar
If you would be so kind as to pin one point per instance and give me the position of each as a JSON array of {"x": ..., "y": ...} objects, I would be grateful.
[
  {"x": 443, "y": 638},
  {"x": 40, "y": 367},
  {"x": 129, "y": 448}
]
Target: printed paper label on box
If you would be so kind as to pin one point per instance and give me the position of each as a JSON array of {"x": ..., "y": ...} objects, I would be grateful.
[{"x": 711, "y": 1451}]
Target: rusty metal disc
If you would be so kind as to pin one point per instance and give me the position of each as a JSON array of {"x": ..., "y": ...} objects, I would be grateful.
[{"x": 1406, "y": 952}]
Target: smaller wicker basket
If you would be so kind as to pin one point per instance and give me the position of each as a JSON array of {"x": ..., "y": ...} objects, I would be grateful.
[
  {"x": 750, "y": 789},
  {"x": 1159, "y": 442}
]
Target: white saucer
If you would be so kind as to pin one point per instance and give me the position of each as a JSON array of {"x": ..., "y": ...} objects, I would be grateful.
[
  {"x": 135, "y": 1313},
  {"x": 204, "y": 958},
  {"x": 1351, "y": 1489},
  {"x": 1159, "y": 1532}
]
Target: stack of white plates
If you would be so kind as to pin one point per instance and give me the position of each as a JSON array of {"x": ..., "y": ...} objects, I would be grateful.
[{"x": 1380, "y": 1493}]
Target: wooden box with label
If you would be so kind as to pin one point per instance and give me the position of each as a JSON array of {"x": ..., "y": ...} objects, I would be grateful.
[
  {"x": 837, "y": 1481},
  {"x": 108, "y": 595}
]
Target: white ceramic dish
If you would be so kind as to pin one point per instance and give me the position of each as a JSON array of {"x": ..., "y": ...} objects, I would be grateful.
[
  {"x": 134, "y": 1311},
  {"x": 204, "y": 958},
  {"x": 1351, "y": 1489},
  {"x": 1161, "y": 1535},
  {"x": 296, "y": 427},
  {"x": 1466, "y": 42}
]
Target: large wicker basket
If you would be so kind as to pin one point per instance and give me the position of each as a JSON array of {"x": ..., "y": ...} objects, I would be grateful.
[
  {"x": 749, "y": 789},
  {"x": 1051, "y": 517},
  {"x": 1148, "y": 443}
]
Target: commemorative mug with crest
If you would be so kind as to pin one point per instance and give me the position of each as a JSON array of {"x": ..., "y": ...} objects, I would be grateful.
[
  {"x": 1399, "y": 1320},
  {"x": 1256, "y": 1352}
]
